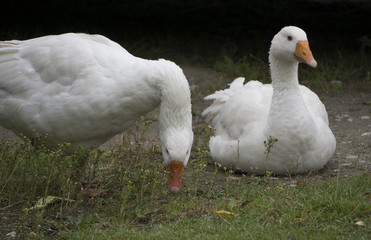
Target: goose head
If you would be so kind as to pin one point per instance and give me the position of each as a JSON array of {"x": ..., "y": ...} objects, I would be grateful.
[
  {"x": 176, "y": 149},
  {"x": 291, "y": 45}
]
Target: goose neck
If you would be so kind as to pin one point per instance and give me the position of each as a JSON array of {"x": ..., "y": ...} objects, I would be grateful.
[
  {"x": 284, "y": 75},
  {"x": 175, "y": 107}
]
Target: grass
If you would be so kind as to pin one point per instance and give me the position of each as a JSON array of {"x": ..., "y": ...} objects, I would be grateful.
[
  {"x": 324, "y": 211},
  {"x": 122, "y": 192}
]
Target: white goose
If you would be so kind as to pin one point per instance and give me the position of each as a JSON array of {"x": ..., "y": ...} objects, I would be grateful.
[
  {"x": 84, "y": 89},
  {"x": 245, "y": 116}
]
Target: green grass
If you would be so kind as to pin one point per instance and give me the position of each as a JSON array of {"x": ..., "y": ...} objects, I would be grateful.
[
  {"x": 325, "y": 211},
  {"x": 133, "y": 202}
]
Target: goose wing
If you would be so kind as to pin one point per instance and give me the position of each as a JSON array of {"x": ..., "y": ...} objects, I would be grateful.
[
  {"x": 240, "y": 110},
  {"x": 60, "y": 77}
]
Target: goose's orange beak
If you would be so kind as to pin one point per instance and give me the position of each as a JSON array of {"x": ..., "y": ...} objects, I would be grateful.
[
  {"x": 303, "y": 54},
  {"x": 175, "y": 170}
]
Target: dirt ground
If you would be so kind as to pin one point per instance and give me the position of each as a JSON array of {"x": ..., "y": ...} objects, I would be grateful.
[{"x": 349, "y": 111}]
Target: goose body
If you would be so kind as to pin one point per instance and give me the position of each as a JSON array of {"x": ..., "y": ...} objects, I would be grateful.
[
  {"x": 84, "y": 89},
  {"x": 246, "y": 116}
]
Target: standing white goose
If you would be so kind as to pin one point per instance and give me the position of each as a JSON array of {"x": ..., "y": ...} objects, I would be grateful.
[
  {"x": 245, "y": 116},
  {"x": 84, "y": 89}
]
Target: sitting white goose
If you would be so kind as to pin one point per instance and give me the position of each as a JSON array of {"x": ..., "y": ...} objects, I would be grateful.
[
  {"x": 84, "y": 89},
  {"x": 245, "y": 116}
]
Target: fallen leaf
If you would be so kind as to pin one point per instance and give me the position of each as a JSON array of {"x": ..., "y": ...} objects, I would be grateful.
[
  {"x": 360, "y": 223},
  {"x": 12, "y": 234},
  {"x": 43, "y": 202},
  {"x": 226, "y": 213}
]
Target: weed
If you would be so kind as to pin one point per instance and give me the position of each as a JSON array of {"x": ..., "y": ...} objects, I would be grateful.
[
  {"x": 32, "y": 172},
  {"x": 268, "y": 146},
  {"x": 146, "y": 123}
]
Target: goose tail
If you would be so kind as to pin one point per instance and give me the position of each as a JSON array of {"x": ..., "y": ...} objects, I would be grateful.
[{"x": 220, "y": 98}]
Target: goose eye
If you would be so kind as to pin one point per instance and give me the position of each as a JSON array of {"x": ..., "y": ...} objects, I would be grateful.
[
  {"x": 187, "y": 152},
  {"x": 167, "y": 151},
  {"x": 289, "y": 38}
]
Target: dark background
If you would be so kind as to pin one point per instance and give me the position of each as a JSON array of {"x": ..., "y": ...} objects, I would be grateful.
[{"x": 194, "y": 31}]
